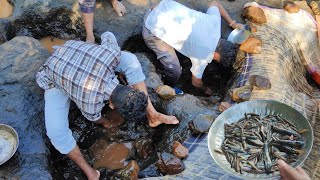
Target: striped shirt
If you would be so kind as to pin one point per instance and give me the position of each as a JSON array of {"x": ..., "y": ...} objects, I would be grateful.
[{"x": 84, "y": 71}]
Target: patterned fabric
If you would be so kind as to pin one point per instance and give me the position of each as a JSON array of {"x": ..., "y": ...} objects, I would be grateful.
[
  {"x": 84, "y": 71},
  {"x": 245, "y": 73},
  {"x": 87, "y": 6}
]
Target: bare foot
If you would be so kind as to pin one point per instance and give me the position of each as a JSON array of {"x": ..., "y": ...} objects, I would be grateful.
[
  {"x": 94, "y": 176},
  {"x": 119, "y": 8},
  {"x": 159, "y": 118}
]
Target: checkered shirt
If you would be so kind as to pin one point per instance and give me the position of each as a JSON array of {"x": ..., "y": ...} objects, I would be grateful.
[{"x": 84, "y": 71}]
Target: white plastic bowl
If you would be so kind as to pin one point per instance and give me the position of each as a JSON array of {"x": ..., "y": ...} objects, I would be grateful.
[{"x": 9, "y": 142}]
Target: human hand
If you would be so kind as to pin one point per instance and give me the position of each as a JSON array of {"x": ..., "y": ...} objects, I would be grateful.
[
  {"x": 289, "y": 173},
  {"x": 235, "y": 25},
  {"x": 119, "y": 8}
]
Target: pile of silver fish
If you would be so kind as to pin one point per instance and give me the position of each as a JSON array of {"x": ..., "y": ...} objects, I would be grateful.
[{"x": 255, "y": 143}]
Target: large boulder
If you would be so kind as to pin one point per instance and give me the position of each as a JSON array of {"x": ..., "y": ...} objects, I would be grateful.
[{"x": 22, "y": 107}]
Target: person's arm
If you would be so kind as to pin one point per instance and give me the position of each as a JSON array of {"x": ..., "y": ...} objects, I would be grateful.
[
  {"x": 289, "y": 173},
  {"x": 118, "y": 7},
  {"x": 76, "y": 156},
  {"x": 232, "y": 23}
]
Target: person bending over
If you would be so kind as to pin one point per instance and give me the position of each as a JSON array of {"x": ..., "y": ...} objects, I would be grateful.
[
  {"x": 85, "y": 73},
  {"x": 171, "y": 26},
  {"x": 87, "y": 9}
]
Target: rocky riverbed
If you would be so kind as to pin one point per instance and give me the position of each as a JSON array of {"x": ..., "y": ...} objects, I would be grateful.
[{"x": 26, "y": 36}]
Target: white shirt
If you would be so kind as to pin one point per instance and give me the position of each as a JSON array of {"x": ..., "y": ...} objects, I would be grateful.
[{"x": 192, "y": 33}]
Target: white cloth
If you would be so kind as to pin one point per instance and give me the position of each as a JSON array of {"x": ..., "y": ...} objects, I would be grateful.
[{"x": 192, "y": 33}]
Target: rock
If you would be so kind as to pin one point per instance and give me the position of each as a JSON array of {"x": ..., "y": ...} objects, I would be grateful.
[
  {"x": 130, "y": 172},
  {"x": 165, "y": 92},
  {"x": 59, "y": 22},
  {"x": 153, "y": 80},
  {"x": 241, "y": 94},
  {"x": 254, "y": 14},
  {"x": 144, "y": 147},
  {"x": 315, "y": 6},
  {"x": 179, "y": 150},
  {"x": 224, "y": 106},
  {"x": 260, "y": 82},
  {"x": 201, "y": 124},
  {"x": 185, "y": 108},
  {"x": 291, "y": 7},
  {"x": 251, "y": 45},
  {"x": 22, "y": 108},
  {"x": 304, "y": 5},
  {"x": 169, "y": 164}
]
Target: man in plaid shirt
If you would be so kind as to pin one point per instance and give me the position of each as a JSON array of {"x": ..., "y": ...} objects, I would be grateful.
[
  {"x": 87, "y": 9},
  {"x": 85, "y": 73}
]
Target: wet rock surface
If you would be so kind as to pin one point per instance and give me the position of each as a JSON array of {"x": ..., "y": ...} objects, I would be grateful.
[
  {"x": 165, "y": 92},
  {"x": 179, "y": 150},
  {"x": 251, "y": 45},
  {"x": 241, "y": 94},
  {"x": 291, "y": 7},
  {"x": 130, "y": 172},
  {"x": 169, "y": 164},
  {"x": 201, "y": 124},
  {"x": 254, "y": 14},
  {"x": 22, "y": 108},
  {"x": 260, "y": 82}
]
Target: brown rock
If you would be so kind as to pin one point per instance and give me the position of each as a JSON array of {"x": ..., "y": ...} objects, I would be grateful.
[
  {"x": 315, "y": 6},
  {"x": 130, "y": 172},
  {"x": 241, "y": 94},
  {"x": 291, "y": 7},
  {"x": 260, "y": 82},
  {"x": 165, "y": 92},
  {"x": 179, "y": 150},
  {"x": 254, "y": 14},
  {"x": 201, "y": 124},
  {"x": 304, "y": 5},
  {"x": 169, "y": 164},
  {"x": 144, "y": 147},
  {"x": 224, "y": 106},
  {"x": 251, "y": 45}
]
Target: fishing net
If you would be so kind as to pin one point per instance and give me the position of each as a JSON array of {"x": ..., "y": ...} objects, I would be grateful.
[{"x": 289, "y": 45}]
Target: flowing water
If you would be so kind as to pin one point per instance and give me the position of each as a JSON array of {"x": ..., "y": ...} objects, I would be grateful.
[
  {"x": 110, "y": 155},
  {"x": 6, "y": 9}
]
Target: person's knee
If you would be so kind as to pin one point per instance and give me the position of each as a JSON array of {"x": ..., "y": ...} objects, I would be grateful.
[{"x": 214, "y": 3}]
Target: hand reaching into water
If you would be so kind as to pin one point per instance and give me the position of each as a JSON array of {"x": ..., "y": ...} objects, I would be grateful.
[{"x": 289, "y": 173}]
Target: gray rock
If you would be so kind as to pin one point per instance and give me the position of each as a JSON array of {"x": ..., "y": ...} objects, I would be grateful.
[
  {"x": 201, "y": 124},
  {"x": 22, "y": 108},
  {"x": 153, "y": 80},
  {"x": 185, "y": 108}
]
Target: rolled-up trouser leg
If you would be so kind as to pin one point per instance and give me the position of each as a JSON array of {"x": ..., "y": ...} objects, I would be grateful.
[{"x": 167, "y": 61}]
